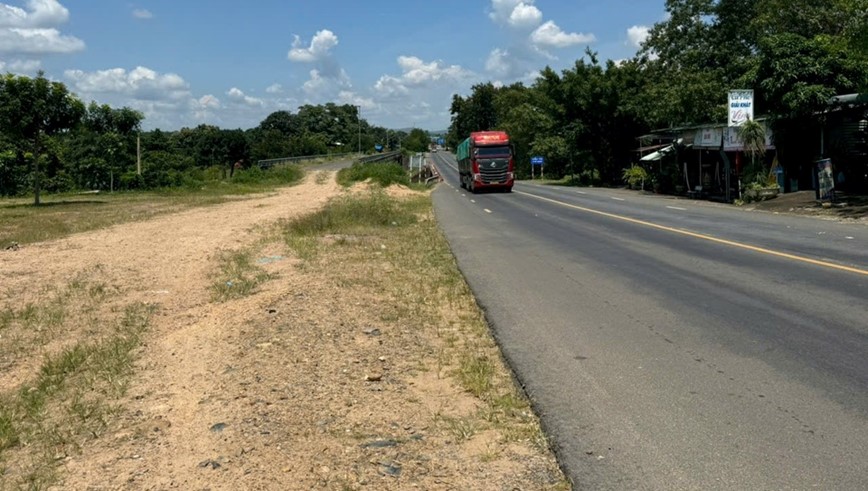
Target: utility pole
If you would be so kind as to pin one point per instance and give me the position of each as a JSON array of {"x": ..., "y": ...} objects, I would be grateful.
[
  {"x": 359, "y": 118},
  {"x": 139, "y": 154}
]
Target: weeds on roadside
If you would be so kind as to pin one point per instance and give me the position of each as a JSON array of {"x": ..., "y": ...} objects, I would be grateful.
[
  {"x": 68, "y": 402},
  {"x": 382, "y": 173},
  {"x": 393, "y": 246},
  {"x": 239, "y": 276}
]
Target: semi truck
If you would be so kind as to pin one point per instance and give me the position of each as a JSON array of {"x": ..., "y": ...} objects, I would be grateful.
[{"x": 485, "y": 161}]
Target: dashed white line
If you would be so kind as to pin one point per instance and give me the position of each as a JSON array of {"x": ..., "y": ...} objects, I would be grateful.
[
  {"x": 581, "y": 192},
  {"x": 676, "y": 208},
  {"x": 617, "y": 199},
  {"x": 473, "y": 201},
  {"x": 487, "y": 210}
]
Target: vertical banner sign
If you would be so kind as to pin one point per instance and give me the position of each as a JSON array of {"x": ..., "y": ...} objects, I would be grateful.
[
  {"x": 740, "y": 107},
  {"x": 826, "y": 184}
]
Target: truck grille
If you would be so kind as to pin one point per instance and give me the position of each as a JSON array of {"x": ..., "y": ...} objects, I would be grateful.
[{"x": 493, "y": 171}]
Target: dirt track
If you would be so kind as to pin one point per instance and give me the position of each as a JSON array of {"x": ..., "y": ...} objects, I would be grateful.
[{"x": 268, "y": 391}]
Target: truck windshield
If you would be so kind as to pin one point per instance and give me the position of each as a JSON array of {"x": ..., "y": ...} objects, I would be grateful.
[{"x": 492, "y": 151}]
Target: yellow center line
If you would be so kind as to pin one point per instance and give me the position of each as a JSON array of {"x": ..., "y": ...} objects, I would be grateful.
[{"x": 702, "y": 236}]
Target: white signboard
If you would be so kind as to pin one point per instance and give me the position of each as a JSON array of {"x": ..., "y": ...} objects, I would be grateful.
[
  {"x": 740, "y": 107},
  {"x": 732, "y": 140},
  {"x": 708, "y": 138}
]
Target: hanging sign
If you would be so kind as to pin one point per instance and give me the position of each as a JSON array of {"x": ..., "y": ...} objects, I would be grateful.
[{"x": 740, "y": 107}]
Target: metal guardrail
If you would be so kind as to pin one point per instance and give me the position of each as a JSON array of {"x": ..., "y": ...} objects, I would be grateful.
[
  {"x": 380, "y": 157},
  {"x": 267, "y": 163}
]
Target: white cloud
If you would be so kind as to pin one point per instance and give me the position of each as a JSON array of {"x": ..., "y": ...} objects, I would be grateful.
[
  {"x": 208, "y": 102},
  {"x": 33, "y": 31},
  {"x": 550, "y": 35},
  {"x": 419, "y": 95},
  {"x": 349, "y": 97},
  {"x": 418, "y": 74},
  {"x": 498, "y": 62},
  {"x": 525, "y": 16},
  {"x": 532, "y": 41},
  {"x": 320, "y": 47},
  {"x": 636, "y": 35},
  {"x": 139, "y": 83},
  {"x": 143, "y": 14},
  {"x": 324, "y": 86},
  {"x": 22, "y": 67},
  {"x": 37, "y": 41},
  {"x": 327, "y": 78},
  {"x": 274, "y": 89},
  {"x": 501, "y": 10},
  {"x": 39, "y": 13},
  {"x": 237, "y": 95}
]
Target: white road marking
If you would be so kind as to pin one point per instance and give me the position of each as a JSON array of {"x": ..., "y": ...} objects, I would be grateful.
[
  {"x": 581, "y": 192},
  {"x": 617, "y": 199},
  {"x": 473, "y": 201},
  {"x": 487, "y": 210},
  {"x": 676, "y": 208}
]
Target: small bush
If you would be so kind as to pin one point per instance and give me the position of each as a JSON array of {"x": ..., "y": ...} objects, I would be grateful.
[
  {"x": 635, "y": 176},
  {"x": 382, "y": 173},
  {"x": 346, "y": 214}
]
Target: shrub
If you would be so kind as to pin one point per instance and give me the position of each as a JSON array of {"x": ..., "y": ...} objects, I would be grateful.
[
  {"x": 635, "y": 176},
  {"x": 383, "y": 173}
]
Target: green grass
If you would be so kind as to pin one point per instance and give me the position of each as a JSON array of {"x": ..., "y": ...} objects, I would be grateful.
[
  {"x": 476, "y": 373},
  {"x": 349, "y": 214},
  {"x": 382, "y": 173},
  {"x": 62, "y": 215},
  {"x": 239, "y": 276},
  {"x": 68, "y": 402}
]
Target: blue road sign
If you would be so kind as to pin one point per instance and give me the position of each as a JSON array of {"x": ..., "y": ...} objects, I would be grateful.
[
  {"x": 441, "y": 141},
  {"x": 537, "y": 160}
]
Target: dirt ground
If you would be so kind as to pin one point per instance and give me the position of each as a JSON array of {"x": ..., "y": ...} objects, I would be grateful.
[
  {"x": 295, "y": 387},
  {"x": 847, "y": 208}
]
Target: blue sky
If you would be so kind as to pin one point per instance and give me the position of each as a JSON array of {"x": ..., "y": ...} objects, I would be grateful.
[{"x": 232, "y": 63}]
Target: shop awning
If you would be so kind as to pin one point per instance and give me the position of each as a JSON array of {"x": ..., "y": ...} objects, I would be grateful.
[
  {"x": 651, "y": 147},
  {"x": 659, "y": 154}
]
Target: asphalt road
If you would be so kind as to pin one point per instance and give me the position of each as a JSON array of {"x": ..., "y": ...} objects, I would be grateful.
[{"x": 675, "y": 344}]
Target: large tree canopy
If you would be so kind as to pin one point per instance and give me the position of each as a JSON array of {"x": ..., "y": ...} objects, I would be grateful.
[{"x": 34, "y": 108}]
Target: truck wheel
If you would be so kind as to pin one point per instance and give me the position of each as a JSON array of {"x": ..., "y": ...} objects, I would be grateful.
[{"x": 461, "y": 181}]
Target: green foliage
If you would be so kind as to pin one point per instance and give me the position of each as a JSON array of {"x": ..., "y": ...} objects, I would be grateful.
[
  {"x": 416, "y": 141},
  {"x": 32, "y": 109},
  {"x": 795, "y": 54},
  {"x": 635, "y": 176},
  {"x": 753, "y": 136},
  {"x": 798, "y": 75},
  {"x": 382, "y": 173},
  {"x": 348, "y": 214},
  {"x": 477, "y": 112}
]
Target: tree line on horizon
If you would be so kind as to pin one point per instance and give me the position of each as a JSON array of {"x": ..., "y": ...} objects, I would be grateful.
[
  {"x": 50, "y": 141},
  {"x": 794, "y": 54}
]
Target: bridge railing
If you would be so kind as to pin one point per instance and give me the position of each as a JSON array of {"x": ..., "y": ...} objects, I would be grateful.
[
  {"x": 267, "y": 163},
  {"x": 380, "y": 157}
]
